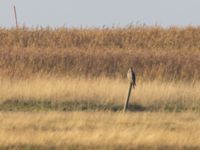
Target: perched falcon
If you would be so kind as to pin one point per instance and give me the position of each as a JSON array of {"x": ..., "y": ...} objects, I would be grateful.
[{"x": 131, "y": 76}]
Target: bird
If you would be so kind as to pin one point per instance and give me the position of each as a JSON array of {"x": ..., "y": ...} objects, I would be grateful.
[{"x": 131, "y": 76}]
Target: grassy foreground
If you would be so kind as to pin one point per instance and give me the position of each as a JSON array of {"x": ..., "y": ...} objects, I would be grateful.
[
  {"x": 67, "y": 94},
  {"x": 99, "y": 130}
]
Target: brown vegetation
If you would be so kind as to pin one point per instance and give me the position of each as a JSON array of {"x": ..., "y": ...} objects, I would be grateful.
[
  {"x": 127, "y": 38},
  {"x": 154, "y": 52},
  {"x": 67, "y": 70},
  {"x": 147, "y": 64}
]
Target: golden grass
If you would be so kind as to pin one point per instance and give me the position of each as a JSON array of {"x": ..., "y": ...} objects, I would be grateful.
[
  {"x": 154, "y": 52},
  {"x": 141, "y": 37},
  {"x": 156, "y": 94},
  {"x": 149, "y": 65},
  {"x": 54, "y": 68},
  {"x": 101, "y": 130}
]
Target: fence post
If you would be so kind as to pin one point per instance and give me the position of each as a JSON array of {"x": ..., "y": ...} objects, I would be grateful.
[
  {"x": 128, "y": 97},
  {"x": 132, "y": 80},
  {"x": 15, "y": 12}
]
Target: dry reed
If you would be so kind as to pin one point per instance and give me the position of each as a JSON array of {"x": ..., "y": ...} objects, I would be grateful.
[
  {"x": 131, "y": 37},
  {"x": 154, "y": 52}
]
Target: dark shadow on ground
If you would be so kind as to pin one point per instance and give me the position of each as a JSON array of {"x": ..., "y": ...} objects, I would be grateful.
[
  {"x": 84, "y": 105},
  {"x": 98, "y": 147},
  {"x": 136, "y": 107},
  {"x": 33, "y": 105}
]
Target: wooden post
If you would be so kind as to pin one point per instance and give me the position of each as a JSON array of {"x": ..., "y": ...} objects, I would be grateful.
[
  {"x": 132, "y": 79},
  {"x": 128, "y": 97},
  {"x": 15, "y": 12}
]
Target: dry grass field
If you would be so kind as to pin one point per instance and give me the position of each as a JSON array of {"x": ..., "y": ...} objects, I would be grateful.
[
  {"x": 65, "y": 88},
  {"x": 97, "y": 94},
  {"x": 154, "y": 52},
  {"x": 99, "y": 130}
]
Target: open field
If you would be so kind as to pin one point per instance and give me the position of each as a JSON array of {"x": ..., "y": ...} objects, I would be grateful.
[
  {"x": 50, "y": 93},
  {"x": 99, "y": 130},
  {"x": 65, "y": 88},
  {"x": 80, "y": 113}
]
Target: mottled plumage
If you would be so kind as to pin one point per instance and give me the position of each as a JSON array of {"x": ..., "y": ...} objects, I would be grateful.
[{"x": 131, "y": 76}]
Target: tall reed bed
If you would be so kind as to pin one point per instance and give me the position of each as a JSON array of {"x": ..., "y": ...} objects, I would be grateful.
[
  {"x": 132, "y": 37},
  {"x": 154, "y": 52},
  {"x": 149, "y": 65}
]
